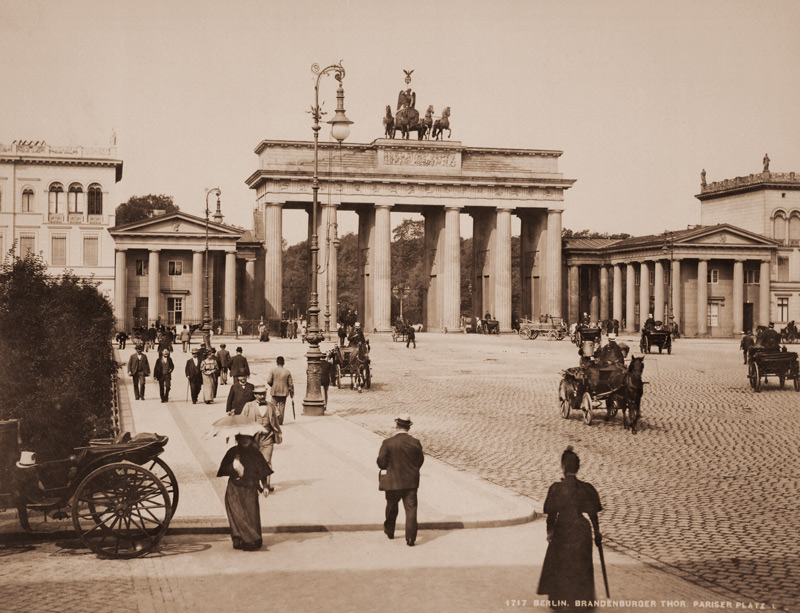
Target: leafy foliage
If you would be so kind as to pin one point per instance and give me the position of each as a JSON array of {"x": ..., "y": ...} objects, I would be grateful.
[
  {"x": 142, "y": 207},
  {"x": 55, "y": 357},
  {"x": 567, "y": 233}
]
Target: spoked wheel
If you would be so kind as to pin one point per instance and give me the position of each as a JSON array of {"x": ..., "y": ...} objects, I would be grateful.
[
  {"x": 552, "y": 335},
  {"x": 751, "y": 374},
  {"x": 121, "y": 510},
  {"x": 338, "y": 376},
  {"x": 757, "y": 376},
  {"x": 612, "y": 407},
  {"x": 586, "y": 407},
  {"x": 525, "y": 333},
  {"x": 534, "y": 334},
  {"x": 566, "y": 394},
  {"x": 162, "y": 470}
]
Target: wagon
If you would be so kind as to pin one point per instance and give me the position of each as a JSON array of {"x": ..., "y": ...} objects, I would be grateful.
[
  {"x": 659, "y": 338},
  {"x": 553, "y": 328},
  {"x": 122, "y": 495},
  {"x": 587, "y": 333},
  {"x": 773, "y": 362},
  {"x": 352, "y": 361},
  {"x": 576, "y": 394}
]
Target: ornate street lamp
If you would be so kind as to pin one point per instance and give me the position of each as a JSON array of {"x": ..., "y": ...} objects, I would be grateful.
[
  {"x": 207, "y": 307},
  {"x": 340, "y": 130}
]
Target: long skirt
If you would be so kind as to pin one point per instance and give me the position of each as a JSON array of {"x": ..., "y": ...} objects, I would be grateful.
[
  {"x": 208, "y": 388},
  {"x": 567, "y": 571},
  {"x": 241, "y": 505}
]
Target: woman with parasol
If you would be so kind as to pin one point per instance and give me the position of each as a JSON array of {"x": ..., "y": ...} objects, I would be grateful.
[{"x": 248, "y": 472}]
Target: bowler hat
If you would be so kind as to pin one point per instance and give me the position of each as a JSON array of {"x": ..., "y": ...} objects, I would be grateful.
[{"x": 404, "y": 421}]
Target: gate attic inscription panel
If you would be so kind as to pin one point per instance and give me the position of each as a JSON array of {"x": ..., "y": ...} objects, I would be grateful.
[{"x": 427, "y": 177}]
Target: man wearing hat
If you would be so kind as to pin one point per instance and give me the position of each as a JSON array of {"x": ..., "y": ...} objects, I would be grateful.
[
  {"x": 401, "y": 457},
  {"x": 239, "y": 366},
  {"x": 280, "y": 380},
  {"x": 771, "y": 338},
  {"x": 194, "y": 374},
  {"x": 356, "y": 336},
  {"x": 264, "y": 413},
  {"x": 138, "y": 370},
  {"x": 162, "y": 372},
  {"x": 241, "y": 393},
  {"x": 611, "y": 353},
  {"x": 224, "y": 362}
]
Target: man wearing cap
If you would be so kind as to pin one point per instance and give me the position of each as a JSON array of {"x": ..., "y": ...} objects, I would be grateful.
[
  {"x": 239, "y": 366},
  {"x": 194, "y": 374},
  {"x": 401, "y": 457},
  {"x": 138, "y": 370},
  {"x": 280, "y": 380},
  {"x": 241, "y": 393},
  {"x": 162, "y": 372}
]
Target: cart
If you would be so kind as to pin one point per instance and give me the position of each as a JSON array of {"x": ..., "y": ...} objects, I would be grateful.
[
  {"x": 552, "y": 328},
  {"x": 659, "y": 338},
  {"x": 354, "y": 362},
  {"x": 122, "y": 495},
  {"x": 773, "y": 362}
]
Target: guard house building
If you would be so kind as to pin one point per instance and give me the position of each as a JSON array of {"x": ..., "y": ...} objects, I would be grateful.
[
  {"x": 738, "y": 269},
  {"x": 441, "y": 180}
]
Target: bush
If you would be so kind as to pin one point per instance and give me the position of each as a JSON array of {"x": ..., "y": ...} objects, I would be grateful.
[{"x": 55, "y": 357}]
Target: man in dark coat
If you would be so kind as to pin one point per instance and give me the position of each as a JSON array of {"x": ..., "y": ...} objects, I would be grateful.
[
  {"x": 241, "y": 393},
  {"x": 162, "y": 372},
  {"x": 224, "y": 363},
  {"x": 401, "y": 457},
  {"x": 194, "y": 374},
  {"x": 239, "y": 365},
  {"x": 747, "y": 341},
  {"x": 138, "y": 370}
]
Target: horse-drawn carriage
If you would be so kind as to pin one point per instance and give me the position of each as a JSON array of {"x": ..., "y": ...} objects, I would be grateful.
[
  {"x": 553, "y": 328},
  {"x": 352, "y": 361},
  {"x": 586, "y": 386},
  {"x": 789, "y": 334},
  {"x": 587, "y": 333},
  {"x": 480, "y": 326},
  {"x": 660, "y": 338},
  {"x": 122, "y": 495},
  {"x": 780, "y": 363}
]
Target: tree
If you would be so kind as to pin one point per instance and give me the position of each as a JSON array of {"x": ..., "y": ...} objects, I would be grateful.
[
  {"x": 142, "y": 207},
  {"x": 567, "y": 233},
  {"x": 408, "y": 252}
]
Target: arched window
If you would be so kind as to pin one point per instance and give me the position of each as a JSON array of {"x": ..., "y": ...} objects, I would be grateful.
[
  {"x": 27, "y": 200},
  {"x": 55, "y": 198},
  {"x": 794, "y": 227},
  {"x": 95, "y": 199},
  {"x": 779, "y": 227},
  {"x": 75, "y": 198}
]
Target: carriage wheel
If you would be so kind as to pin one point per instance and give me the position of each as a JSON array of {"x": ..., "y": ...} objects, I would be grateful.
[
  {"x": 534, "y": 334},
  {"x": 566, "y": 394},
  {"x": 338, "y": 376},
  {"x": 757, "y": 376},
  {"x": 751, "y": 374},
  {"x": 367, "y": 377},
  {"x": 121, "y": 510},
  {"x": 586, "y": 407},
  {"x": 797, "y": 376},
  {"x": 612, "y": 407},
  {"x": 525, "y": 333},
  {"x": 552, "y": 335},
  {"x": 164, "y": 473}
]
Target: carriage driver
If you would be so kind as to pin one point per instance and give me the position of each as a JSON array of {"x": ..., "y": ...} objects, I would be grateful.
[
  {"x": 356, "y": 336},
  {"x": 611, "y": 353}
]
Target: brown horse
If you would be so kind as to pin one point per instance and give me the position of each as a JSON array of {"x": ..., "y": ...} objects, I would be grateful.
[
  {"x": 440, "y": 125},
  {"x": 388, "y": 122},
  {"x": 629, "y": 396}
]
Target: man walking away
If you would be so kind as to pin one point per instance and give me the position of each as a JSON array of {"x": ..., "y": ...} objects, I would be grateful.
[
  {"x": 138, "y": 370},
  {"x": 186, "y": 337},
  {"x": 401, "y": 457},
  {"x": 410, "y": 337},
  {"x": 239, "y": 365},
  {"x": 224, "y": 362},
  {"x": 162, "y": 372},
  {"x": 194, "y": 374},
  {"x": 280, "y": 380}
]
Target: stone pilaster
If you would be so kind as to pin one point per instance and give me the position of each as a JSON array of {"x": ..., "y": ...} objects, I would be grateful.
[
  {"x": 763, "y": 294},
  {"x": 432, "y": 299},
  {"x": 273, "y": 261}
]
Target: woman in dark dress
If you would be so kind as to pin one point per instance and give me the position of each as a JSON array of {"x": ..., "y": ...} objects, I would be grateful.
[
  {"x": 248, "y": 472},
  {"x": 567, "y": 573}
]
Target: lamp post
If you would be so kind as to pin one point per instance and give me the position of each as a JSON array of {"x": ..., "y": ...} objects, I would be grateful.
[
  {"x": 206, "y": 306},
  {"x": 340, "y": 130}
]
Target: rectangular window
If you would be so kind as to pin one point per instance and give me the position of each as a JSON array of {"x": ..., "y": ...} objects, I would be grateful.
[
  {"x": 90, "y": 250},
  {"x": 27, "y": 244},
  {"x": 751, "y": 277},
  {"x": 713, "y": 314},
  {"x": 174, "y": 311},
  {"x": 783, "y": 309},
  {"x": 175, "y": 268},
  {"x": 58, "y": 257},
  {"x": 783, "y": 268},
  {"x": 713, "y": 275},
  {"x": 27, "y": 201},
  {"x": 141, "y": 268}
]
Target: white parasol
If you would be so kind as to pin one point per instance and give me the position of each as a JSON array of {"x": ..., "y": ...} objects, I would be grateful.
[{"x": 231, "y": 425}]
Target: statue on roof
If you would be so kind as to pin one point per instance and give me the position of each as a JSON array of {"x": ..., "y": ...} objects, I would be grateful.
[
  {"x": 766, "y": 162},
  {"x": 703, "y": 178}
]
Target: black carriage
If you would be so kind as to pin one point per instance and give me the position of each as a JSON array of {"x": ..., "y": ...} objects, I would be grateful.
[
  {"x": 352, "y": 361},
  {"x": 587, "y": 333},
  {"x": 763, "y": 363},
  {"x": 122, "y": 495},
  {"x": 656, "y": 338},
  {"x": 578, "y": 392},
  {"x": 789, "y": 334}
]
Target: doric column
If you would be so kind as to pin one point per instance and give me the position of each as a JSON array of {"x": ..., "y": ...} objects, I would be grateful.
[
  {"x": 603, "y": 293},
  {"x": 273, "y": 273},
  {"x": 502, "y": 286},
  {"x": 702, "y": 297},
  {"x": 658, "y": 291},
  {"x": 121, "y": 289},
  {"x": 738, "y": 296},
  {"x": 553, "y": 264},
  {"x": 763, "y": 294},
  {"x": 366, "y": 228},
  {"x": 197, "y": 286},
  {"x": 594, "y": 293},
  {"x": 644, "y": 293},
  {"x": 249, "y": 285},
  {"x": 675, "y": 281},
  {"x": 230, "y": 291},
  {"x": 573, "y": 293},
  {"x": 617, "y": 304},
  {"x": 329, "y": 293},
  {"x": 432, "y": 269},
  {"x": 382, "y": 296},
  {"x": 452, "y": 268},
  {"x": 153, "y": 289},
  {"x": 630, "y": 299}
]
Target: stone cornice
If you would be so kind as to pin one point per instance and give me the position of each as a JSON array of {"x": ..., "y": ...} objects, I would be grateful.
[{"x": 753, "y": 182}]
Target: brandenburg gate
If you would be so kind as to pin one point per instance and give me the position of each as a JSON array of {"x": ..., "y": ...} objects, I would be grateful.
[{"x": 440, "y": 180}]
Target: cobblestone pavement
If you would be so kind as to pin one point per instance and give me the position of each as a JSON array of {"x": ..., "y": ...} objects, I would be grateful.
[{"x": 708, "y": 487}]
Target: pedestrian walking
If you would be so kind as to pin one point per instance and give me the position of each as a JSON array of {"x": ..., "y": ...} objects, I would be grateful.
[
  {"x": 325, "y": 379},
  {"x": 186, "y": 338},
  {"x": 410, "y": 337},
  {"x": 224, "y": 363},
  {"x": 263, "y": 332},
  {"x": 194, "y": 374},
  {"x": 265, "y": 413},
  {"x": 138, "y": 370},
  {"x": 280, "y": 381},
  {"x": 241, "y": 393},
  {"x": 122, "y": 338},
  {"x": 567, "y": 571},
  {"x": 342, "y": 333},
  {"x": 247, "y": 471},
  {"x": 239, "y": 366},
  {"x": 400, "y": 457},
  {"x": 209, "y": 370},
  {"x": 162, "y": 372}
]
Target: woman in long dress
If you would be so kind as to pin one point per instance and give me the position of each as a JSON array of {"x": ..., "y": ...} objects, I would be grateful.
[
  {"x": 248, "y": 472},
  {"x": 266, "y": 414},
  {"x": 209, "y": 370},
  {"x": 567, "y": 573}
]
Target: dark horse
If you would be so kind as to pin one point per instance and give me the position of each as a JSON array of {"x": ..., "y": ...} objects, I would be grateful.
[
  {"x": 629, "y": 396},
  {"x": 440, "y": 125},
  {"x": 388, "y": 123},
  {"x": 353, "y": 361}
]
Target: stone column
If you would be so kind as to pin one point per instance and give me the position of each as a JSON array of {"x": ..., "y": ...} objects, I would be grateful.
[
  {"x": 675, "y": 280},
  {"x": 366, "y": 228},
  {"x": 382, "y": 269},
  {"x": 658, "y": 287},
  {"x": 230, "y": 291},
  {"x": 594, "y": 293},
  {"x": 603, "y": 293},
  {"x": 553, "y": 264},
  {"x": 153, "y": 289},
  {"x": 273, "y": 272},
  {"x": 502, "y": 286},
  {"x": 432, "y": 269},
  {"x": 763, "y": 294},
  {"x": 617, "y": 304},
  {"x": 738, "y": 296},
  {"x": 630, "y": 300},
  {"x": 452, "y": 268},
  {"x": 573, "y": 293},
  {"x": 644, "y": 293},
  {"x": 121, "y": 289},
  {"x": 702, "y": 297},
  {"x": 249, "y": 285},
  {"x": 197, "y": 286},
  {"x": 329, "y": 294}
]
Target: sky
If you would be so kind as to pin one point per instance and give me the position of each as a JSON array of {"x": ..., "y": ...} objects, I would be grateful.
[{"x": 639, "y": 96}]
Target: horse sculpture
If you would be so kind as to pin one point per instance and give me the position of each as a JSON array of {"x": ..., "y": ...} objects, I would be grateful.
[
  {"x": 629, "y": 395},
  {"x": 388, "y": 122},
  {"x": 440, "y": 125}
]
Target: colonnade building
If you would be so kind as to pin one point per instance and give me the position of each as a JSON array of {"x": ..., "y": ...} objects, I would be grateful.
[{"x": 441, "y": 181}]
